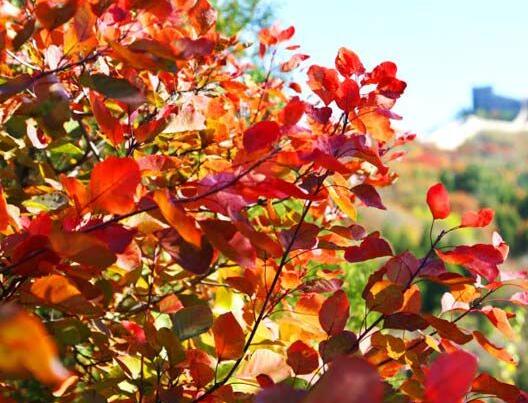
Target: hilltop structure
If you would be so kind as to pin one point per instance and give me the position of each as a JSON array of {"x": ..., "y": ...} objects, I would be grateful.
[
  {"x": 488, "y": 104},
  {"x": 490, "y": 113}
]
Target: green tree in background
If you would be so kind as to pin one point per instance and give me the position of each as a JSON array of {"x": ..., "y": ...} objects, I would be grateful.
[{"x": 239, "y": 16}]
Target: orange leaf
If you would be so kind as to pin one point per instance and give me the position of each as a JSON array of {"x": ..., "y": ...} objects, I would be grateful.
[
  {"x": 113, "y": 184},
  {"x": 376, "y": 124},
  {"x": 339, "y": 191},
  {"x": 497, "y": 352},
  {"x": 385, "y": 296},
  {"x": 25, "y": 346},
  {"x": 58, "y": 291},
  {"x": 448, "y": 330},
  {"x": 229, "y": 337},
  {"x": 53, "y": 13},
  {"x": 108, "y": 124},
  {"x": 485, "y": 383},
  {"x": 76, "y": 191},
  {"x": 82, "y": 248},
  {"x": 412, "y": 300},
  {"x": 499, "y": 318},
  {"x": 178, "y": 218}
]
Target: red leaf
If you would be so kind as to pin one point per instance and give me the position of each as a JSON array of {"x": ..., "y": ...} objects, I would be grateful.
[
  {"x": 348, "y": 380},
  {"x": 136, "y": 331},
  {"x": 348, "y": 63},
  {"x": 261, "y": 136},
  {"x": 479, "y": 259},
  {"x": 303, "y": 237},
  {"x": 499, "y": 319},
  {"x": 280, "y": 392},
  {"x": 370, "y": 248},
  {"x": 324, "y": 82},
  {"x": 481, "y": 218},
  {"x": 302, "y": 358},
  {"x": 368, "y": 195},
  {"x": 229, "y": 337},
  {"x": 264, "y": 381},
  {"x": 449, "y": 377},
  {"x": 343, "y": 343},
  {"x": 384, "y": 75},
  {"x": 292, "y": 112},
  {"x": 113, "y": 184},
  {"x": 334, "y": 313},
  {"x": 4, "y": 215},
  {"x": 189, "y": 257},
  {"x": 108, "y": 124},
  {"x": 401, "y": 268},
  {"x": 347, "y": 95},
  {"x": 438, "y": 201}
]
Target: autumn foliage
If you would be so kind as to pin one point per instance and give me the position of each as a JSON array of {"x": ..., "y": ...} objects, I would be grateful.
[{"x": 174, "y": 228}]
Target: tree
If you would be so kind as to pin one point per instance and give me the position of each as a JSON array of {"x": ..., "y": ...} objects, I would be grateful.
[{"x": 173, "y": 230}]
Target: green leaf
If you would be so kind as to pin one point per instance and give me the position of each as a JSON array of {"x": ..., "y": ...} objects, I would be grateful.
[
  {"x": 46, "y": 202},
  {"x": 172, "y": 345},
  {"x": 70, "y": 331},
  {"x": 68, "y": 149},
  {"x": 116, "y": 88},
  {"x": 192, "y": 321}
]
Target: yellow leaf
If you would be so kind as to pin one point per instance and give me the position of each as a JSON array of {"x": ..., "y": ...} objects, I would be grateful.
[
  {"x": 432, "y": 343},
  {"x": 338, "y": 189}
]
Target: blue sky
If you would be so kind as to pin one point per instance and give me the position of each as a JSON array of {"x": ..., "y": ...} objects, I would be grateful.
[{"x": 442, "y": 48}]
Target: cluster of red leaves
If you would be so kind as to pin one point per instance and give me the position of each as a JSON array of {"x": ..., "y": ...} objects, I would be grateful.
[{"x": 192, "y": 248}]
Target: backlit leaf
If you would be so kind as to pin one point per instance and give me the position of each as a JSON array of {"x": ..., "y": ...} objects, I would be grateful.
[
  {"x": 261, "y": 136},
  {"x": 438, "y": 201},
  {"x": 334, "y": 313},
  {"x": 371, "y": 247},
  {"x": 229, "y": 337},
  {"x": 113, "y": 184},
  {"x": 192, "y": 321},
  {"x": 481, "y": 218},
  {"x": 302, "y": 358},
  {"x": 450, "y": 377},
  {"x": 178, "y": 218},
  {"x": 497, "y": 352}
]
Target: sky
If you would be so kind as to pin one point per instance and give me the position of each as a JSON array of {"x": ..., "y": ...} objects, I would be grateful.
[{"x": 442, "y": 48}]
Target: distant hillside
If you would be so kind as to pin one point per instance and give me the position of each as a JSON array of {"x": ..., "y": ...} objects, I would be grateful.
[{"x": 488, "y": 169}]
